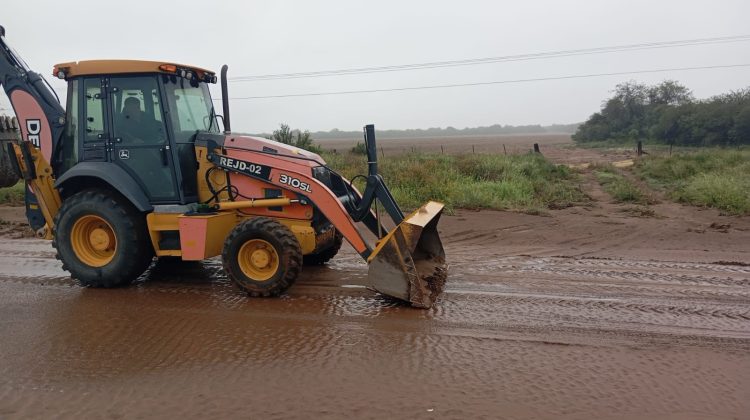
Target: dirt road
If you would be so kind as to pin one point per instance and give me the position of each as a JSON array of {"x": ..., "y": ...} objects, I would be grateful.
[{"x": 583, "y": 313}]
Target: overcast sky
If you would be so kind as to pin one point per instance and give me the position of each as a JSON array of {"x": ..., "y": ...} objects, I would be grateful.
[{"x": 270, "y": 37}]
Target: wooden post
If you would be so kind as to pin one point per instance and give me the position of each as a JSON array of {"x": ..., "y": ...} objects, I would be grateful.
[
  {"x": 639, "y": 149},
  {"x": 670, "y": 150},
  {"x": 536, "y": 148},
  {"x": 505, "y": 151},
  {"x": 472, "y": 149},
  {"x": 442, "y": 152},
  {"x": 382, "y": 152}
]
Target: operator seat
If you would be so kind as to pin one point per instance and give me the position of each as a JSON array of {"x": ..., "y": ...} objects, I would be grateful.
[{"x": 131, "y": 121}]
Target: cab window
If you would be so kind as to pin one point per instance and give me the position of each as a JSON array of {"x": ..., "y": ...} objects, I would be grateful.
[
  {"x": 69, "y": 152},
  {"x": 137, "y": 112},
  {"x": 93, "y": 109},
  {"x": 191, "y": 108}
]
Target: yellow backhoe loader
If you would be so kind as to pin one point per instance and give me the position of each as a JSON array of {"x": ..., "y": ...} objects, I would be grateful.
[{"x": 136, "y": 167}]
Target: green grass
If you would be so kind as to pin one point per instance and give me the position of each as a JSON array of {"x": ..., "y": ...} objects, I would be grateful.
[
  {"x": 650, "y": 146},
  {"x": 526, "y": 183},
  {"x": 12, "y": 196},
  {"x": 620, "y": 188},
  {"x": 610, "y": 144},
  {"x": 718, "y": 178}
]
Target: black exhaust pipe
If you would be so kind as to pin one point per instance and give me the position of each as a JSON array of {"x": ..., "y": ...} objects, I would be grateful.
[
  {"x": 372, "y": 150},
  {"x": 225, "y": 98}
]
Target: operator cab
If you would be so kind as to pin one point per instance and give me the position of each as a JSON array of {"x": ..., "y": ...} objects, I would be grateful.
[{"x": 140, "y": 115}]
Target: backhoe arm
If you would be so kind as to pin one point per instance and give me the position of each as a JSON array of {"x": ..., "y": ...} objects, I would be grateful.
[
  {"x": 41, "y": 119},
  {"x": 37, "y": 174}
]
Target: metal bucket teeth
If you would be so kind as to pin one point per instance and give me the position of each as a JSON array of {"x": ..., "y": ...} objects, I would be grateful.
[{"x": 409, "y": 263}]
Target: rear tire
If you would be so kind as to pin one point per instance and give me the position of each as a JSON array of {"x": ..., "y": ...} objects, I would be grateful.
[
  {"x": 322, "y": 257},
  {"x": 101, "y": 239},
  {"x": 262, "y": 257}
]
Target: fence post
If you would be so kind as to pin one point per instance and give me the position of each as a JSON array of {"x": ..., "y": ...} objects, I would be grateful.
[
  {"x": 382, "y": 152},
  {"x": 639, "y": 149},
  {"x": 472, "y": 149},
  {"x": 442, "y": 152},
  {"x": 505, "y": 151},
  {"x": 536, "y": 148}
]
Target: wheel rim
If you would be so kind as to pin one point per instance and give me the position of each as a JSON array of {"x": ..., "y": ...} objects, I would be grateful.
[
  {"x": 258, "y": 260},
  {"x": 93, "y": 240}
]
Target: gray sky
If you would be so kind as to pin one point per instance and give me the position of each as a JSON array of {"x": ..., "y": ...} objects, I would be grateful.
[{"x": 269, "y": 37}]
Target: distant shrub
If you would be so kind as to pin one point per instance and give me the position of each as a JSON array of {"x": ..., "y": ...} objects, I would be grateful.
[
  {"x": 359, "y": 149},
  {"x": 297, "y": 138}
]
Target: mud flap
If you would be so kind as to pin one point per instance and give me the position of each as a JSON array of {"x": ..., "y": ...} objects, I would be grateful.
[{"x": 409, "y": 263}]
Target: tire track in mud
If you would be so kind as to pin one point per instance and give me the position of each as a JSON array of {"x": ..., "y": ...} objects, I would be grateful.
[
  {"x": 584, "y": 289},
  {"x": 660, "y": 265},
  {"x": 644, "y": 277},
  {"x": 650, "y": 271}
]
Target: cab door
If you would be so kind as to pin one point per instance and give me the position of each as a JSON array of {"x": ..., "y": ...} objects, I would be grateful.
[
  {"x": 140, "y": 143},
  {"x": 94, "y": 128}
]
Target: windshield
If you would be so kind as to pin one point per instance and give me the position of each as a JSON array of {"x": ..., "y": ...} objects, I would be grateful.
[{"x": 191, "y": 109}]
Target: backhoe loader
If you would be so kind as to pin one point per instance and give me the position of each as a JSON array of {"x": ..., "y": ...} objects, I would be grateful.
[{"x": 136, "y": 167}]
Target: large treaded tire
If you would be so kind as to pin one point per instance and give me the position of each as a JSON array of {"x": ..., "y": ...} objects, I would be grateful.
[
  {"x": 322, "y": 257},
  {"x": 284, "y": 243},
  {"x": 133, "y": 252}
]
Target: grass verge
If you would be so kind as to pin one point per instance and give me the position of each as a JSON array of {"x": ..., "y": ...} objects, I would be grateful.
[
  {"x": 12, "y": 196},
  {"x": 718, "y": 178},
  {"x": 620, "y": 188},
  {"x": 527, "y": 183}
]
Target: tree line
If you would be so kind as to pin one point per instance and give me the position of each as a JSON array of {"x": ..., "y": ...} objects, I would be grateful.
[
  {"x": 448, "y": 131},
  {"x": 669, "y": 113}
]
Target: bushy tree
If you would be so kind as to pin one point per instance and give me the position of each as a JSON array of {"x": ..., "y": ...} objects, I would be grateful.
[
  {"x": 669, "y": 113},
  {"x": 297, "y": 138}
]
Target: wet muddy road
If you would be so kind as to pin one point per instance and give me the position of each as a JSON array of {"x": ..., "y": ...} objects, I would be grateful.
[{"x": 513, "y": 337}]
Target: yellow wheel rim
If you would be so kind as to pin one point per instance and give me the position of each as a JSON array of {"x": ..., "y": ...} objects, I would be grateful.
[
  {"x": 93, "y": 240},
  {"x": 258, "y": 260}
]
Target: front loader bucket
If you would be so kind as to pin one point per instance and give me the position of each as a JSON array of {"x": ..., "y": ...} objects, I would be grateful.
[{"x": 409, "y": 263}]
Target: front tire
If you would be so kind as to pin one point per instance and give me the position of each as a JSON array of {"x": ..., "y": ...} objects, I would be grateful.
[
  {"x": 262, "y": 257},
  {"x": 101, "y": 239}
]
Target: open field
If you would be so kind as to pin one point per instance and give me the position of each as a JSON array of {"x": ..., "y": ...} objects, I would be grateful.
[
  {"x": 605, "y": 310},
  {"x": 514, "y": 144}
]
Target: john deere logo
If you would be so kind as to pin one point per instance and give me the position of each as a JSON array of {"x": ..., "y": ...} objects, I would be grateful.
[
  {"x": 34, "y": 127},
  {"x": 124, "y": 154}
]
